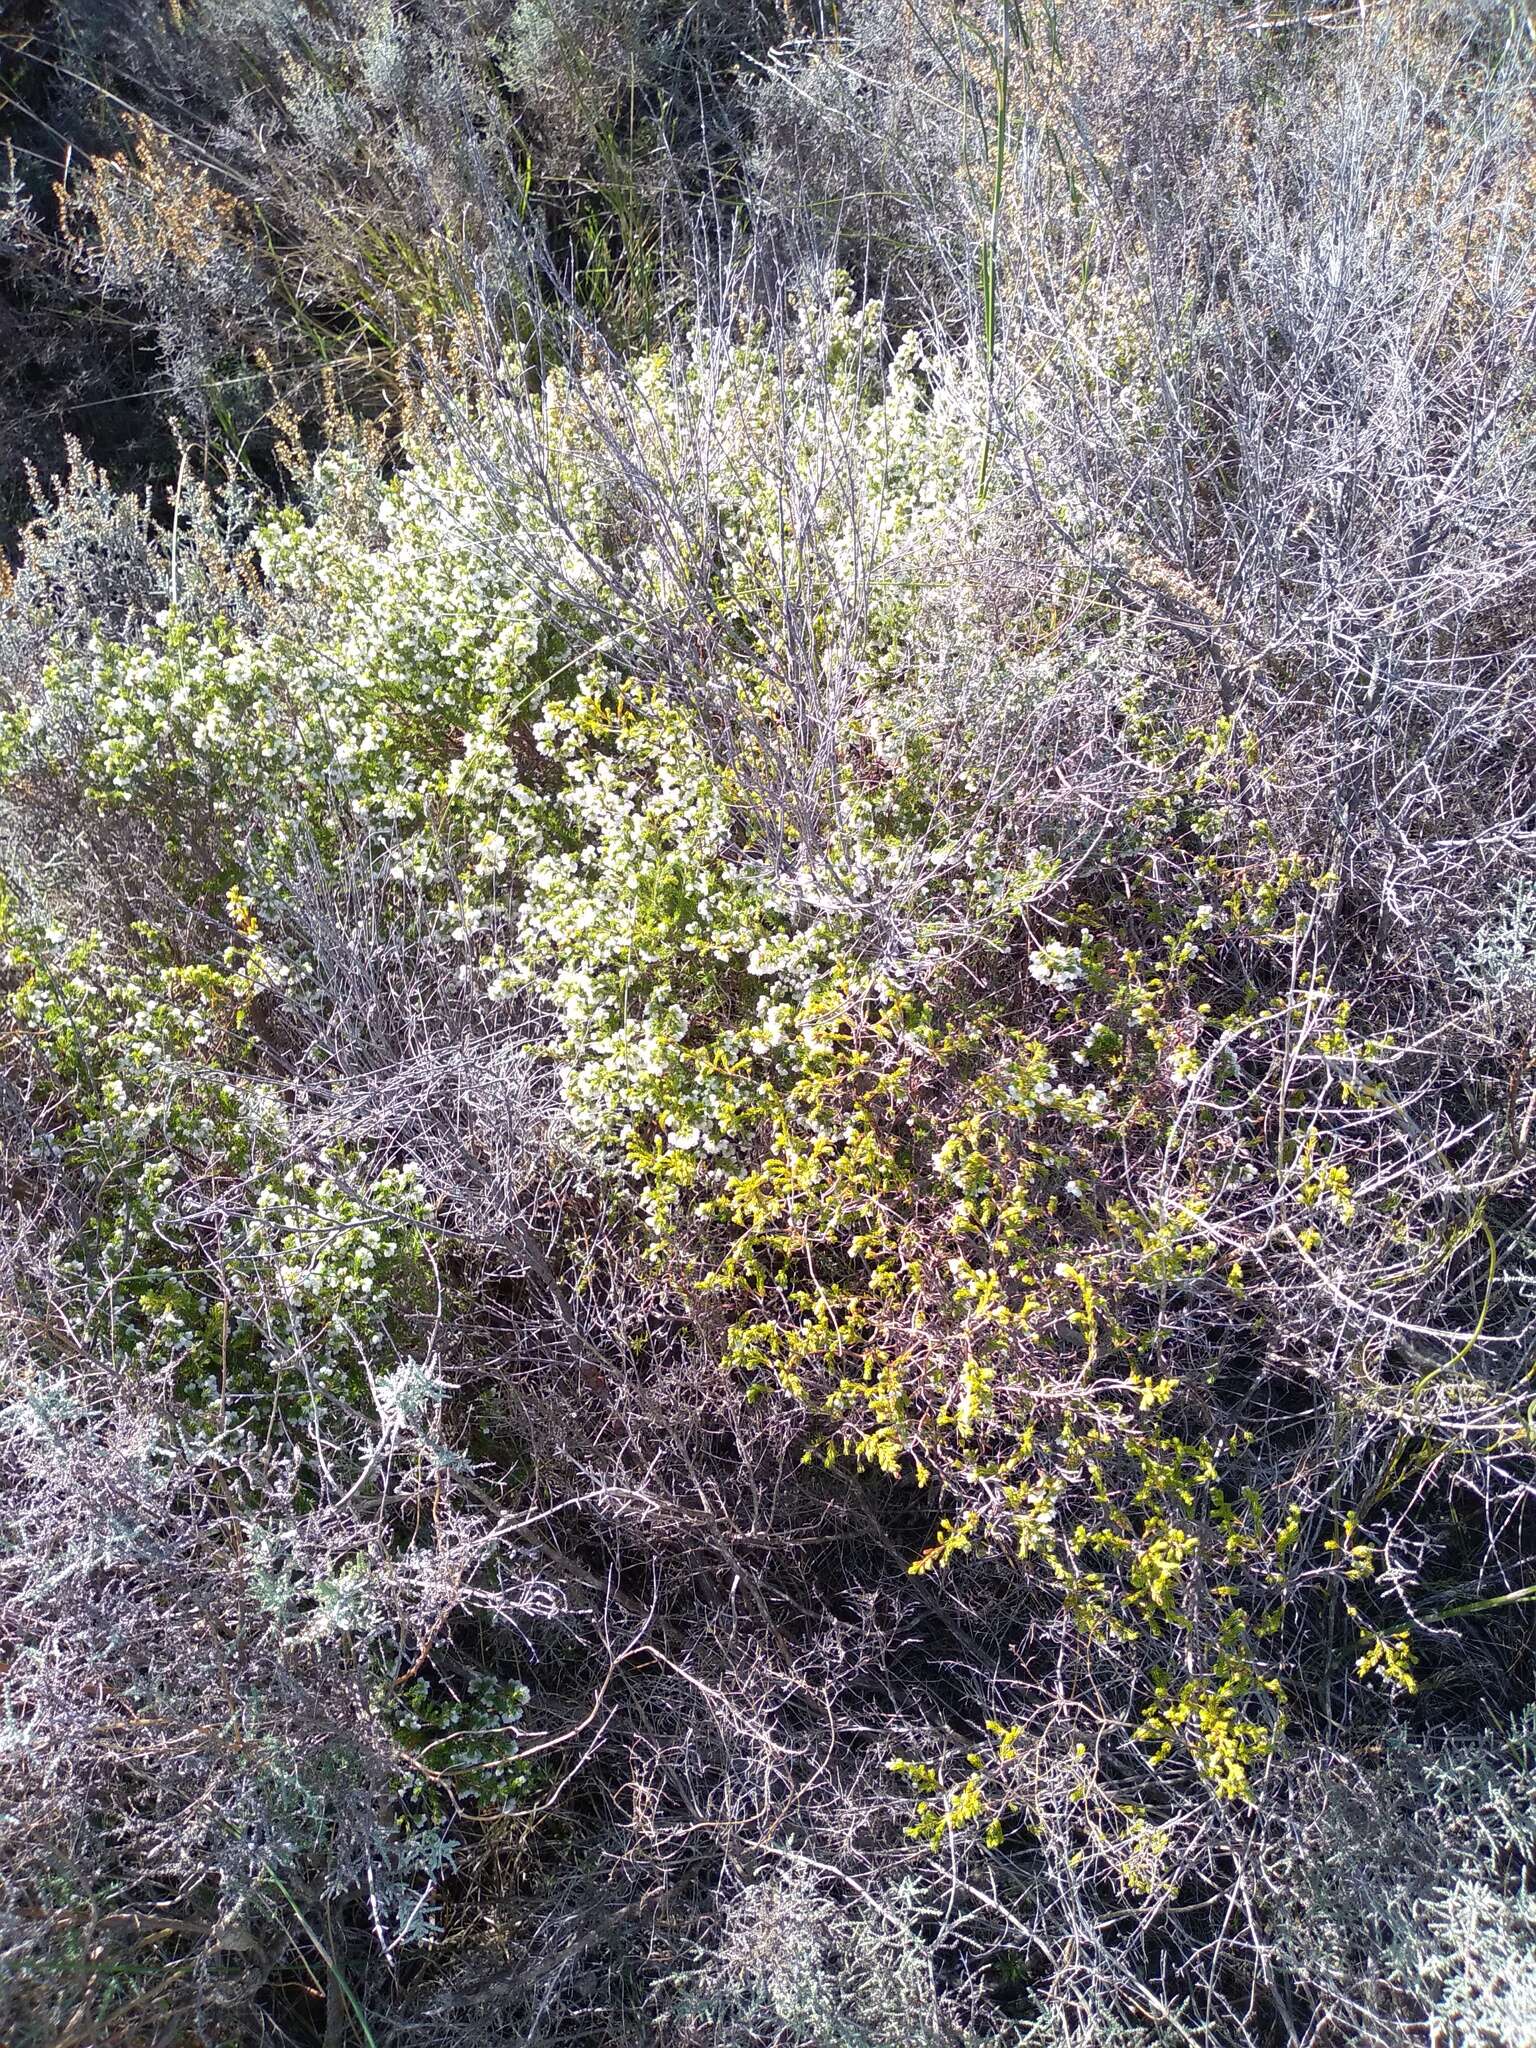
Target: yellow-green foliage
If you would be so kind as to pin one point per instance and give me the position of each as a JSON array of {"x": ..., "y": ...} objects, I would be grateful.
[{"x": 957, "y": 1212}]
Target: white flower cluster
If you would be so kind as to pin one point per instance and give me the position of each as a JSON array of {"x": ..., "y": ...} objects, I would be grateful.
[{"x": 1057, "y": 965}]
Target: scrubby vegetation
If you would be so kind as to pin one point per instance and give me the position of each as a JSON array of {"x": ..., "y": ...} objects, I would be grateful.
[{"x": 768, "y": 906}]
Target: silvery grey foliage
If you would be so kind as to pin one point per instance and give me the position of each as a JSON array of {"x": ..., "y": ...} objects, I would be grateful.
[
  {"x": 1501, "y": 960},
  {"x": 1402, "y": 1882},
  {"x": 801, "y": 1968}
]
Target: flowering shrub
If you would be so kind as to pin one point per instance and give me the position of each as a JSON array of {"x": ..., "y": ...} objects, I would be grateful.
[{"x": 998, "y": 1217}]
